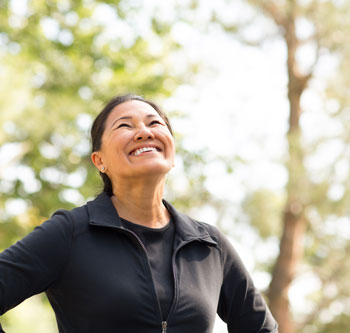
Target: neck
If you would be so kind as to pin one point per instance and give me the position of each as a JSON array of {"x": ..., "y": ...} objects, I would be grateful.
[{"x": 141, "y": 202}]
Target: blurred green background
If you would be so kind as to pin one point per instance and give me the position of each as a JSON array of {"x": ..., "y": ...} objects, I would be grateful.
[{"x": 258, "y": 93}]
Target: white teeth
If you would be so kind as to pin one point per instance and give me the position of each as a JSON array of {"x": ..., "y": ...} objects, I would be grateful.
[{"x": 141, "y": 150}]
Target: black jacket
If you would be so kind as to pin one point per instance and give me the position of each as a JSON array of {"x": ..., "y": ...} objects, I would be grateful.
[{"x": 97, "y": 277}]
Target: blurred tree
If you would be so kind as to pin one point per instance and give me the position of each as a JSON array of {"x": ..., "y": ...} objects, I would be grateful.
[{"x": 313, "y": 197}]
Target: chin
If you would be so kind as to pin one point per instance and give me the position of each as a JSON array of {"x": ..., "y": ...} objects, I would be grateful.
[{"x": 152, "y": 169}]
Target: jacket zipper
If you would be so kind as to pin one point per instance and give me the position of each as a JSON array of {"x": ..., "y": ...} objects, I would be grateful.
[
  {"x": 164, "y": 324},
  {"x": 138, "y": 241}
]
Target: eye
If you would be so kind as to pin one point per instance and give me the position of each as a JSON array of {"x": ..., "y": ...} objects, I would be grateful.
[
  {"x": 155, "y": 122},
  {"x": 123, "y": 125}
]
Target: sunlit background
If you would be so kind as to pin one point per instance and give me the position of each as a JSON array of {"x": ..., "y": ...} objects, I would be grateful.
[{"x": 220, "y": 70}]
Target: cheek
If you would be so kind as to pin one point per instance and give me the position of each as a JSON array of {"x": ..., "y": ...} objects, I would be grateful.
[
  {"x": 171, "y": 145},
  {"x": 113, "y": 147},
  {"x": 167, "y": 138}
]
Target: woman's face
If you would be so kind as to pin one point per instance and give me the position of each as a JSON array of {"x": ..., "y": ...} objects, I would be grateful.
[{"x": 136, "y": 142}]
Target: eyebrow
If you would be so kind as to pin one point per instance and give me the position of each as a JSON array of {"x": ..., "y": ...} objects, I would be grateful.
[{"x": 129, "y": 117}]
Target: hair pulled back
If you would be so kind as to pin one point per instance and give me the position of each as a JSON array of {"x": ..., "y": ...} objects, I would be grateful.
[{"x": 99, "y": 125}]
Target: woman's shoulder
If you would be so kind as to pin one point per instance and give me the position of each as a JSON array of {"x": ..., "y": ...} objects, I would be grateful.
[
  {"x": 75, "y": 215},
  {"x": 98, "y": 210},
  {"x": 76, "y": 219}
]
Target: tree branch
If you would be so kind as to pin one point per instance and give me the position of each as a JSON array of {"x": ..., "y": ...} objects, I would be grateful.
[{"x": 270, "y": 8}]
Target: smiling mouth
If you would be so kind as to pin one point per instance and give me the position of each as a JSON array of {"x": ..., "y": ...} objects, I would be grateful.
[{"x": 143, "y": 150}]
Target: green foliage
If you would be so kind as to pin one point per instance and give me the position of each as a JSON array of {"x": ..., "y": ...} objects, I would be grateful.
[
  {"x": 264, "y": 209},
  {"x": 339, "y": 324}
]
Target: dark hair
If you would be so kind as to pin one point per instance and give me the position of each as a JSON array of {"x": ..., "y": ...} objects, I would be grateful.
[{"x": 99, "y": 124}]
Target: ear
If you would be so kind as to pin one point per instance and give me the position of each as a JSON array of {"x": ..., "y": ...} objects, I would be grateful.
[{"x": 96, "y": 158}]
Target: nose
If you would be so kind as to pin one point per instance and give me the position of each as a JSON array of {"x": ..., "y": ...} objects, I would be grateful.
[{"x": 144, "y": 133}]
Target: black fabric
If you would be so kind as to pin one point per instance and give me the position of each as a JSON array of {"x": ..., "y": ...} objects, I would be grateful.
[
  {"x": 159, "y": 247},
  {"x": 97, "y": 276}
]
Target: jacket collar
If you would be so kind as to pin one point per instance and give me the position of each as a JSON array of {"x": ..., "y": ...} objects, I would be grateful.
[{"x": 103, "y": 213}]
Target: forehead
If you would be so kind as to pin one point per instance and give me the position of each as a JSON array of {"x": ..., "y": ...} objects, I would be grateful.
[{"x": 131, "y": 108}]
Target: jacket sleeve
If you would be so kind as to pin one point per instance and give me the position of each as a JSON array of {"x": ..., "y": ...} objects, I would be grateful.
[
  {"x": 241, "y": 305},
  {"x": 34, "y": 263}
]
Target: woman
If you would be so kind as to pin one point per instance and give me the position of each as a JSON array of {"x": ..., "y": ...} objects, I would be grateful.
[{"x": 128, "y": 261}]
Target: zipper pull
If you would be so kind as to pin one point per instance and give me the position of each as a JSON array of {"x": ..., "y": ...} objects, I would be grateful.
[{"x": 164, "y": 326}]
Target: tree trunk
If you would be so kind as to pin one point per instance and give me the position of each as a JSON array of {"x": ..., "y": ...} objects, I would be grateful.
[{"x": 291, "y": 243}]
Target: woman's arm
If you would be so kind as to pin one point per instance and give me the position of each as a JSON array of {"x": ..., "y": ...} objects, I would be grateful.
[
  {"x": 241, "y": 305},
  {"x": 34, "y": 263}
]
